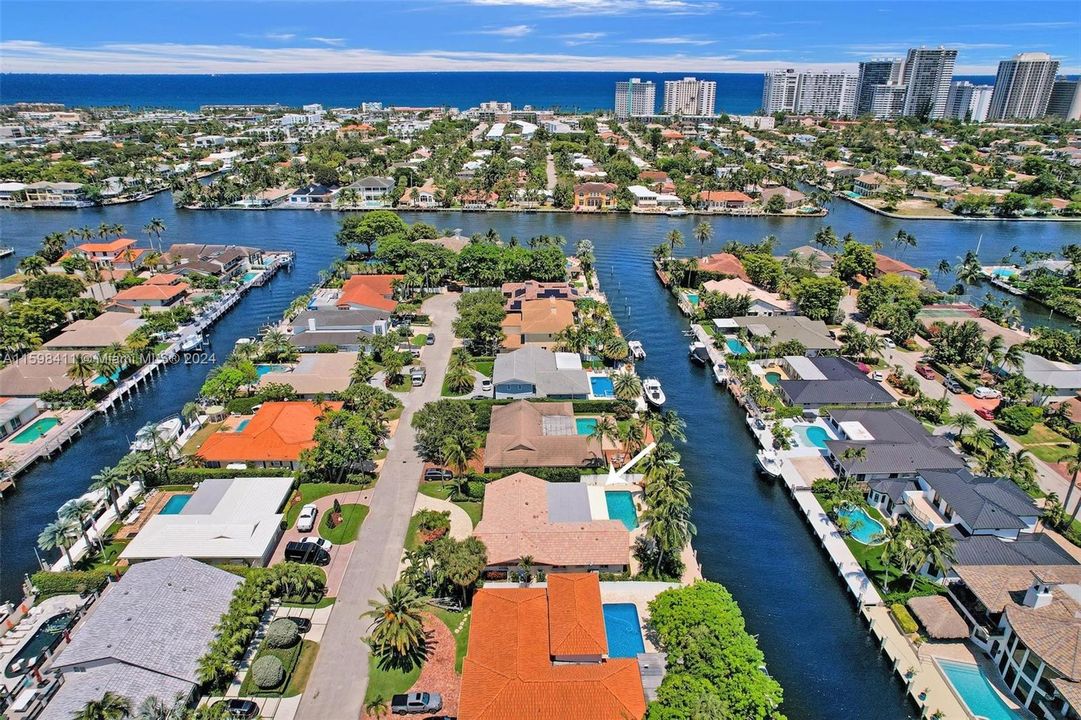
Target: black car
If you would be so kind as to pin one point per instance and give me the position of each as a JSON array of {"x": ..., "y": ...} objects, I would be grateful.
[
  {"x": 430, "y": 340},
  {"x": 306, "y": 553},
  {"x": 237, "y": 708},
  {"x": 303, "y": 624},
  {"x": 998, "y": 441},
  {"x": 437, "y": 474}
]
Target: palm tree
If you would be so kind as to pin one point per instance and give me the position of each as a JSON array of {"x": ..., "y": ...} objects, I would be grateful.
[
  {"x": 944, "y": 267},
  {"x": 963, "y": 421},
  {"x": 634, "y": 435},
  {"x": 1073, "y": 466},
  {"x": 669, "y": 525},
  {"x": 605, "y": 429},
  {"x": 1022, "y": 469},
  {"x": 82, "y": 368},
  {"x": 458, "y": 450},
  {"x": 397, "y": 629},
  {"x": 703, "y": 233},
  {"x": 77, "y": 510},
  {"x": 112, "y": 481},
  {"x": 59, "y": 534},
  {"x": 626, "y": 385},
  {"x": 938, "y": 549},
  {"x": 110, "y": 707},
  {"x": 994, "y": 350},
  {"x": 376, "y": 707},
  {"x": 33, "y": 266},
  {"x": 667, "y": 425},
  {"x": 981, "y": 440},
  {"x": 674, "y": 239},
  {"x": 393, "y": 363},
  {"x": 1013, "y": 359},
  {"x": 825, "y": 237}
]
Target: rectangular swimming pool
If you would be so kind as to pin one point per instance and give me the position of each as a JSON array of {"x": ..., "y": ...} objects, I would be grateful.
[
  {"x": 623, "y": 630},
  {"x": 35, "y": 430},
  {"x": 174, "y": 505},
  {"x": 621, "y": 507},
  {"x": 976, "y": 691},
  {"x": 585, "y": 426},
  {"x": 266, "y": 369},
  {"x": 602, "y": 386}
]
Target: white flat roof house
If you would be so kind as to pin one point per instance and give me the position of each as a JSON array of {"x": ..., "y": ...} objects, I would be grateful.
[{"x": 234, "y": 520}]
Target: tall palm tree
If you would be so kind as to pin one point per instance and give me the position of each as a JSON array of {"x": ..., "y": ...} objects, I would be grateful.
[
  {"x": 77, "y": 510},
  {"x": 626, "y": 386},
  {"x": 397, "y": 630},
  {"x": 113, "y": 482},
  {"x": 667, "y": 425},
  {"x": 458, "y": 450},
  {"x": 1073, "y": 466},
  {"x": 674, "y": 239},
  {"x": 668, "y": 523},
  {"x": 605, "y": 429},
  {"x": 82, "y": 368},
  {"x": 634, "y": 435},
  {"x": 33, "y": 266},
  {"x": 963, "y": 421},
  {"x": 1013, "y": 359},
  {"x": 110, "y": 707},
  {"x": 981, "y": 440},
  {"x": 59, "y": 534},
  {"x": 994, "y": 351},
  {"x": 938, "y": 548},
  {"x": 703, "y": 233}
]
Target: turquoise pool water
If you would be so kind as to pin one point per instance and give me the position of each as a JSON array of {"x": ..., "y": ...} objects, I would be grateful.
[
  {"x": 264, "y": 369},
  {"x": 602, "y": 386},
  {"x": 864, "y": 527},
  {"x": 735, "y": 346},
  {"x": 853, "y": 195},
  {"x": 811, "y": 435},
  {"x": 773, "y": 378},
  {"x": 976, "y": 691},
  {"x": 174, "y": 505},
  {"x": 35, "y": 430},
  {"x": 585, "y": 426},
  {"x": 692, "y": 298},
  {"x": 241, "y": 425},
  {"x": 623, "y": 630},
  {"x": 251, "y": 275},
  {"x": 101, "y": 380},
  {"x": 1004, "y": 272},
  {"x": 621, "y": 507}
]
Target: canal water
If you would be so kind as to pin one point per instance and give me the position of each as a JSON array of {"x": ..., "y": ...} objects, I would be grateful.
[{"x": 750, "y": 536}]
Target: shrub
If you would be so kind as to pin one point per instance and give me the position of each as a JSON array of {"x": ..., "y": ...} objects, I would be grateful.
[
  {"x": 282, "y": 633},
  {"x": 904, "y": 619},
  {"x": 432, "y": 524},
  {"x": 268, "y": 672},
  {"x": 474, "y": 489},
  {"x": 72, "y": 581},
  {"x": 1019, "y": 419},
  {"x": 192, "y": 475},
  {"x": 549, "y": 474}
]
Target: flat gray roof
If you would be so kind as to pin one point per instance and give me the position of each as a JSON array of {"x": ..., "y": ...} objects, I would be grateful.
[{"x": 568, "y": 502}]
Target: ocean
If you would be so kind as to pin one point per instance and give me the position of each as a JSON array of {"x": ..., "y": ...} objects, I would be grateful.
[{"x": 736, "y": 92}]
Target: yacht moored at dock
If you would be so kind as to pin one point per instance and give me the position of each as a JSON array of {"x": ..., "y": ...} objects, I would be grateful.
[
  {"x": 637, "y": 351},
  {"x": 698, "y": 352},
  {"x": 654, "y": 394}
]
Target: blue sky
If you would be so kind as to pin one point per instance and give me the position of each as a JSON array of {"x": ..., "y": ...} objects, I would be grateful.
[{"x": 256, "y": 36}]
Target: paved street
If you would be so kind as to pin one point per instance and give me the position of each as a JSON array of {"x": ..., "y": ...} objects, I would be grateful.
[{"x": 340, "y": 676}]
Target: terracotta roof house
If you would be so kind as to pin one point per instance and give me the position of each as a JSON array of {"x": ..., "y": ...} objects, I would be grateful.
[
  {"x": 120, "y": 253},
  {"x": 554, "y": 523},
  {"x": 151, "y": 295},
  {"x": 792, "y": 198},
  {"x": 96, "y": 333},
  {"x": 885, "y": 265},
  {"x": 542, "y": 653},
  {"x": 763, "y": 302},
  {"x": 274, "y": 436},
  {"x": 38, "y": 372},
  {"x": 369, "y": 291},
  {"x": 538, "y": 321},
  {"x": 426, "y": 196},
  {"x": 722, "y": 200},
  {"x": 518, "y": 292},
  {"x": 524, "y": 434},
  {"x": 595, "y": 196},
  {"x": 724, "y": 264}
]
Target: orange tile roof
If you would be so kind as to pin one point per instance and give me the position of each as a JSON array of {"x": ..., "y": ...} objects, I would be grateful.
[
  {"x": 114, "y": 246},
  {"x": 723, "y": 196},
  {"x": 278, "y": 431},
  {"x": 163, "y": 279},
  {"x": 885, "y": 264},
  {"x": 575, "y": 620},
  {"x": 546, "y": 316},
  {"x": 509, "y": 672},
  {"x": 374, "y": 291},
  {"x": 151, "y": 292},
  {"x": 725, "y": 263}
]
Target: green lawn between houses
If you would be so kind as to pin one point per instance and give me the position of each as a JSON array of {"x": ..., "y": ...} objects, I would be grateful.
[
  {"x": 310, "y": 492},
  {"x": 473, "y": 509},
  {"x": 386, "y": 683},
  {"x": 353, "y": 515}
]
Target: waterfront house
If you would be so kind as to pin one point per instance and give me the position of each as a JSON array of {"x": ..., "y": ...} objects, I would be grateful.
[
  {"x": 538, "y": 322},
  {"x": 373, "y": 192},
  {"x": 818, "y": 260},
  {"x": 818, "y": 381},
  {"x": 311, "y": 195},
  {"x": 895, "y": 445},
  {"x": 543, "y": 652},
  {"x": 37, "y": 372},
  {"x": 714, "y": 200},
  {"x": 532, "y": 371},
  {"x": 96, "y": 333},
  {"x": 12, "y": 194},
  {"x": 477, "y": 199},
  {"x": 644, "y": 198},
  {"x": 274, "y": 436},
  {"x": 151, "y": 295},
  {"x": 455, "y": 243},
  {"x": 344, "y": 329},
  {"x": 15, "y": 413},
  {"x": 315, "y": 374},
  {"x": 885, "y": 265},
  {"x": 869, "y": 183},
  {"x": 119, "y": 254},
  {"x": 369, "y": 292},
  {"x": 517, "y": 293},
  {"x": 144, "y": 637},
  {"x": 563, "y": 527},
  {"x": 766, "y": 330},
  {"x": 763, "y": 302},
  {"x": 1063, "y": 378},
  {"x": 236, "y": 521},
  {"x": 792, "y": 198},
  {"x": 595, "y": 196},
  {"x": 56, "y": 194},
  {"x": 425, "y": 196},
  {"x": 723, "y": 263},
  {"x": 222, "y": 261},
  {"x": 525, "y": 435}
]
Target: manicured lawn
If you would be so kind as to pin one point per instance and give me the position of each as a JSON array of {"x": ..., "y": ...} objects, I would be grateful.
[
  {"x": 199, "y": 438},
  {"x": 474, "y": 509},
  {"x": 411, "y": 541},
  {"x": 100, "y": 560},
  {"x": 323, "y": 603},
  {"x": 461, "y": 638},
  {"x": 387, "y": 683},
  {"x": 1040, "y": 433},
  {"x": 419, "y": 340},
  {"x": 709, "y": 328},
  {"x": 1046, "y": 444},
  {"x": 288, "y": 657},
  {"x": 310, "y": 492},
  {"x": 1053, "y": 453},
  {"x": 346, "y": 531},
  {"x": 303, "y": 670},
  {"x": 404, "y": 385},
  {"x": 484, "y": 365}
]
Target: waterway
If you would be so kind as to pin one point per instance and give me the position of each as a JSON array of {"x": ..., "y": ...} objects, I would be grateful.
[{"x": 750, "y": 537}]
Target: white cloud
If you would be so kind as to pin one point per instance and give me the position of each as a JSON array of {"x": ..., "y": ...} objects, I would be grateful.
[
  {"x": 675, "y": 40},
  {"x": 582, "y": 38},
  {"x": 511, "y": 31},
  {"x": 280, "y": 37},
  {"x": 334, "y": 42}
]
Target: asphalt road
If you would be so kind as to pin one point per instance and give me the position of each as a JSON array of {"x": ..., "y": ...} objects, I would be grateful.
[{"x": 340, "y": 676}]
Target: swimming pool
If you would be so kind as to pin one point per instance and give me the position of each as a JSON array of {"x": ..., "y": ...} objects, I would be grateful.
[
  {"x": 735, "y": 346},
  {"x": 811, "y": 435},
  {"x": 976, "y": 691},
  {"x": 585, "y": 426},
  {"x": 602, "y": 386},
  {"x": 46, "y": 637},
  {"x": 692, "y": 298},
  {"x": 241, "y": 425},
  {"x": 864, "y": 527},
  {"x": 621, "y": 507},
  {"x": 35, "y": 430},
  {"x": 852, "y": 195},
  {"x": 623, "y": 630},
  {"x": 1004, "y": 272},
  {"x": 251, "y": 275},
  {"x": 265, "y": 369},
  {"x": 773, "y": 377},
  {"x": 174, "y": 505},
  {"x": 101, "y": 379}
]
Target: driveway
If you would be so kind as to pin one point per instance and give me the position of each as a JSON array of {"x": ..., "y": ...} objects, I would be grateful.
[{"x": 340, "y": 676}]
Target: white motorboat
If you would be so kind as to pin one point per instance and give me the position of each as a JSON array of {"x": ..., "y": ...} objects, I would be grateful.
[
  {"x": 191, "y": 342},
  {"x": 654, "y": 394},
  {"x": 698, "y": 352},
  {"x": 720, "y": 373},
  {"x": 676, "y": 212},
  {"x": 637, "y": 351},
  {"x": 769, "y": 463},
  {"x": 165, "y": 431}
]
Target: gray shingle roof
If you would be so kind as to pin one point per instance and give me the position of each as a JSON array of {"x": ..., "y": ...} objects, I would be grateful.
[
  {"x": 133, "y": 683},
  {"x": 1029, "y": 549},
  {"x": 983, "y": 503},
  {"x": 835, "y": 392},
  {"x": 536, "y": 366}
]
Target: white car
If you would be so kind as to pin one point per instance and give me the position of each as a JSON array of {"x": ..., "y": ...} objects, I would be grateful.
[
  {"x": 321, "y": 542},
  {"x": 986, "y": 393},
  {"x": 306, "y": 520},
  {"x": 878, "y": 376},
  {"x": 888, "y": 342}
]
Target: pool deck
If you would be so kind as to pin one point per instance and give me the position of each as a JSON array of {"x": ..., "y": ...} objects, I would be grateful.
[
  {"x": 638, "y": 594},
  {"x": 17, "y": 634}
]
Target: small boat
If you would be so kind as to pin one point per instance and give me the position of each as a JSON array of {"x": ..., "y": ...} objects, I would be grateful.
[
  {"x": 191, "y": 342},
  {"x": 637, "y": 351},
  {"x": 676, "y": 212},
  {"x": 654, "y": 394},
  {"x": 698, "y": 352},
  {"x": 769, "y": 463},
  {"x": 720, "y": 373},
  {"x": 165, "y": 431}
]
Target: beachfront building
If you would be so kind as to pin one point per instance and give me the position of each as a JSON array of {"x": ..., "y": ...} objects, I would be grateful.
[
  {"x": 1023, "y": 86},
  {"x": 543, "y": 652},
  {"x": 532, "y": 371},
  {"x": 273, "y": 437},
  {"x": 927, "y": 76},
  {"x": 821, "y": 93},
  {"x": 595, "y": 196},
  {"x": 874, "y": 73},
  {"x": 563, "y": 527},
  {"x": 635, "y": 98},
  {"x": 689, "y": 96},
  {"x": 1065, "y": 102},
  {"x": 525, "y": 435}
]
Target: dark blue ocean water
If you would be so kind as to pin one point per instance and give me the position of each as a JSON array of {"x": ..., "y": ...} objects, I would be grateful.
[{"x": 736, "y": 92}]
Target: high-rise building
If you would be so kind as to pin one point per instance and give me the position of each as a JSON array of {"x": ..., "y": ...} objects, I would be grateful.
[
  {"x": 968, "y": 102},
  {"x": 1023, "y": 86},
  {"x": 888, "y": 101},
  {"x": 880, "y": 71},
  {"x": 1065, "y": 99},
  {"x": 689, "y": 96},
  {"x": 635, "y": 98},
  {"x": 780, "y": 91},
  {"x": 927, "y": 73},
  {"x": 822, "y": 93}
]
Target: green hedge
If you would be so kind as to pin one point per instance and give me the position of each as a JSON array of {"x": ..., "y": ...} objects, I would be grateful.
[
  {"x": 243, "y": 405},
  {"x": 51, "y": 583},
  {"x": 550, "y": 474},
  {"x": 904, "y": 618},
  {"x": 192, "y": 475}
]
